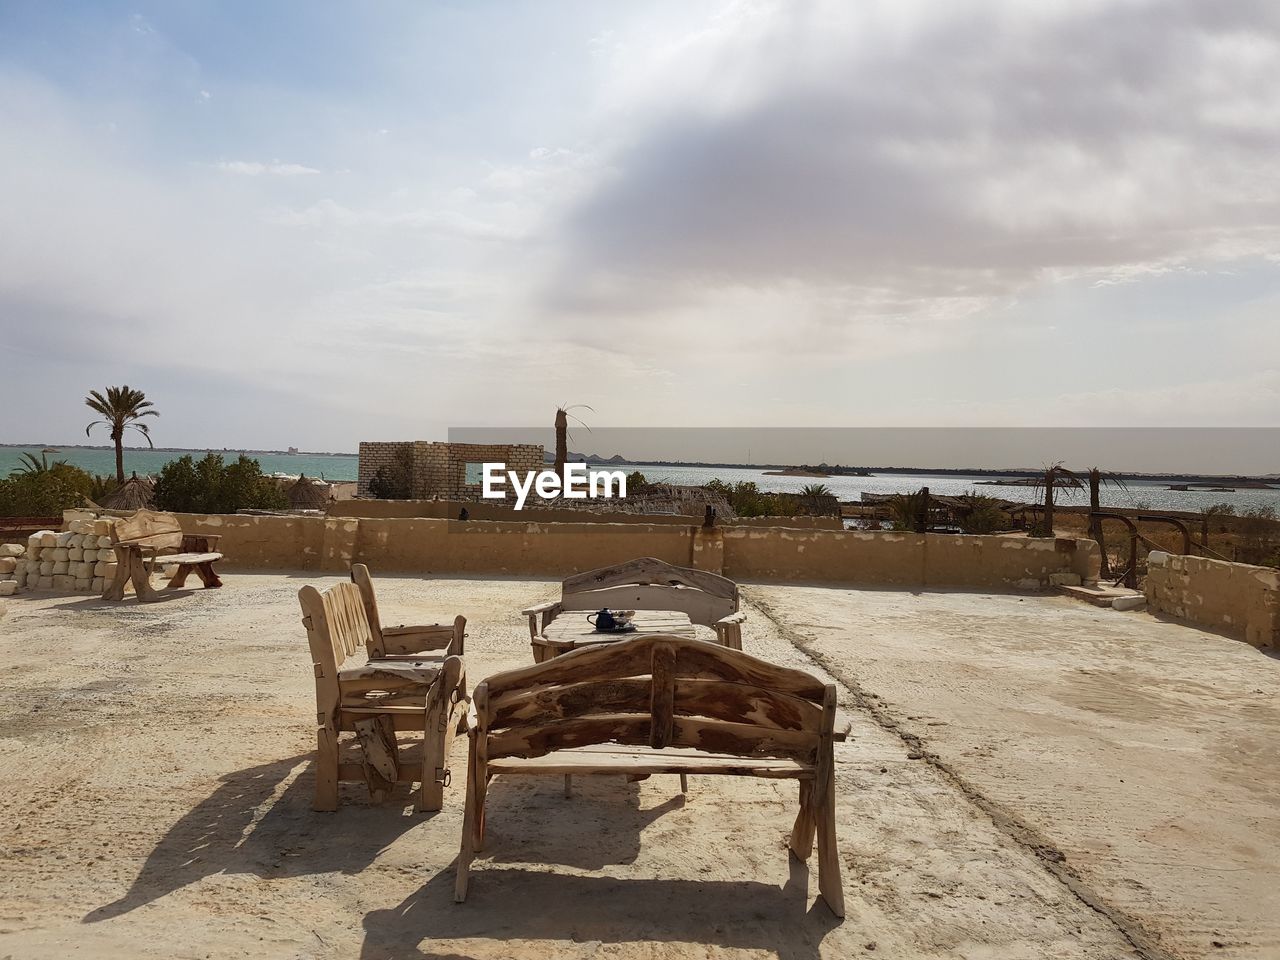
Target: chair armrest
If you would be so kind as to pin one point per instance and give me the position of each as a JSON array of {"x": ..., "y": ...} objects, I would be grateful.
[
  {"x": 425, "y": 637},
  {"x": 841, "y": 728},
  {"x": 729, "y": 630},
  {"x": 540, "y": 615}
]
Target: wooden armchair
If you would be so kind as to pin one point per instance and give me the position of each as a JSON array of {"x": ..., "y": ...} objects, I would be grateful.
[
  {"x": 645, "y": 584},
  {"x": 377, "y": 699},
  {"x": 660, "y": 704}
]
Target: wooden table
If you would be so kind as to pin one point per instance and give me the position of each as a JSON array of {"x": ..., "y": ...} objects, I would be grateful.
[{"x": 571, "y": 630}]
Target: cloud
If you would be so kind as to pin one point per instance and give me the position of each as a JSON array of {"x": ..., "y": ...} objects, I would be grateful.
[
  {"x": 275, "y": 168},
  {"x": 935, "y": 150}
]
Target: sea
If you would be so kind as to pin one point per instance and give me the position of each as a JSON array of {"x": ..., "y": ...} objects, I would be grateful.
[{"x": 1139, "y": 494}]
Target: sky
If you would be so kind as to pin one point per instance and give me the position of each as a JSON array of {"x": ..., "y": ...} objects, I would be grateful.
[{"x": 313, "y": 223}]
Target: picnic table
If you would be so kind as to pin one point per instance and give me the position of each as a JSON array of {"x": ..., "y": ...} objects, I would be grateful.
[{"x": 571, "y": 629}]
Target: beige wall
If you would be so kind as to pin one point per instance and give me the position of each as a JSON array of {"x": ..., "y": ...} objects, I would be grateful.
[
  {"x": 429, "y": 545},
  {"x": 904, "y": 559},
  {"x": 1238, "y": 599}
]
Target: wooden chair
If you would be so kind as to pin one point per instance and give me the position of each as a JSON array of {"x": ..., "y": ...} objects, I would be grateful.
[
  {"x": 645, "y": 584},
  {"x": 376, "y": 699},
  {"x": 147, "y": 540},
  {"x": 660, "y": 704}
]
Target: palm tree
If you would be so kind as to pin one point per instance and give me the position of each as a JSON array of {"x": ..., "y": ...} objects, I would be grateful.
[
  {"x": 1096, "y": 479},
  {"x": 816, "y": 494},
  {"x": 121, "y": 408},
  {"x": 33, "y": 467},
  {"x": 1055, "y": 475},
  {"x": 562, "y": 434}
]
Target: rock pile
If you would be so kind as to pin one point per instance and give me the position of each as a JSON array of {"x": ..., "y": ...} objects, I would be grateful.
[{"x": 78, "y": 558}]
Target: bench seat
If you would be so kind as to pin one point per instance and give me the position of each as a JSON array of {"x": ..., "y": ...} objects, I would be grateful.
[
  {"x": 191, "y": 559},
  {"x": 616, "y": 759}
]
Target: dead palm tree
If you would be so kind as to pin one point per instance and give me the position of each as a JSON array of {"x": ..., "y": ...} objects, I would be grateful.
[
  {"x": 562, "y": 434},
  {"x": 1055, "y": 476},
  {"x": 1096, "y": 479},
  {"x": 121, "y": 408}
]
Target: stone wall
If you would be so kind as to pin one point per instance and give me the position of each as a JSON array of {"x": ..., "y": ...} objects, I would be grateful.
[
  {"x": 428, "y": 545},
  {"x": 1238, "y": 599},
  {"x": 439, "y": 469}
]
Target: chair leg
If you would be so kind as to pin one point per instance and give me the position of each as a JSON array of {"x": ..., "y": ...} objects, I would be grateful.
[
  {"x": 141, "y": 578},
  {"x": 805, "y": 825},
  {"x": 829, "y": 884},
  {"x": 115, "y": 589},
  {"x": 326, "y": 797},
  {"x": 482, "y": 788},
  {"x": 179, "y": 579},
  {"x": 434, "y": 753},
  {"x": 468, "y": 851},
  {"x": 684, "y": 783},
  {"x": 208, "y": 577},
  {"x": 568, "y": 785}
]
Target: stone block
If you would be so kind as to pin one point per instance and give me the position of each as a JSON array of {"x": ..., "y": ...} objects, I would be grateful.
[
  {"x": 90, "y": 556},
  {"x": 102, "y": 527},
  {"x": 61, "y": 554},
  {"x": 48, "y": 538},
  {"x": 63, "y": 539},
  {"x": 104, "y": 543},
  {"x": 8, "y": 564},
  {"x": 75, "y": 554},
  {"x": 1128, "y": 603},
  {"x": 61, "y": 567},
  {"x": 1064, "y": 579},
  {"x": 83, "y": 585},
  {"x": 82, "y": 571},
  {"x": 46, "y": 569},
  {"x": 8, "y": 588},
  {"x": 64, "y": 582},
  {"x": 12, "y": 549},
  {"x": 98, "y": 585}
]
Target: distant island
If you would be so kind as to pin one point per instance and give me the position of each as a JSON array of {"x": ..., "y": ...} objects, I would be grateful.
[
  {"x": 821, "y": 470},
  {"x": 292, "y": 451}
]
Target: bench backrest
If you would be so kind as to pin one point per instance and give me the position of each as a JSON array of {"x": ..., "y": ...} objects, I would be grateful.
[
  {"x": 657, "y": 691},
  {"x": 651, "y": 584},
  {"x": 337, "y": 630},
  {"x": 150, "y": 529}
]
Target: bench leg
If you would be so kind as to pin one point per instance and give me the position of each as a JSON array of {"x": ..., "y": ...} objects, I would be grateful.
[
  {"x": 141, "y": 578},
  {"x": 207, "y": 576},
  {"x": 179, "y": 579},
  {"x": 468, "y": 851},
  {"x": 568, "y": 785},
  {"x": 829, "y": 883},
  {"x": 115, "y": 589},
  {"x": 684, "y": 783},
  {"x": 805, "y": 825},
  {"x": 326, "y": 797}
]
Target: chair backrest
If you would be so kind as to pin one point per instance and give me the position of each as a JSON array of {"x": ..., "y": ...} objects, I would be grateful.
[
  {"x": 364, "y": 583},
  {"x": 337, "y": 630},
  {"x": 150, "y": 529},
  {"x": 651, "y": 584},
  {"x": 657, "y": 691},
  {"x": 433, "y": 637}
]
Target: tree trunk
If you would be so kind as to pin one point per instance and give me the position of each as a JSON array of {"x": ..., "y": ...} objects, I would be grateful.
[
  {"x": 562, "y": 440},
  {"x": 1049, "y": 478},
  {"x": 118, "y": 437},
  {"x": 1095, "y": 525}
]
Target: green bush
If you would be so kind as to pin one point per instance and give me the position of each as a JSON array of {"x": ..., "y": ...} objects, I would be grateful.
[
  {"x": 211, "y": 485},
  {"x": 983, "y": 514},
  {"x": 42, "y": 489}
]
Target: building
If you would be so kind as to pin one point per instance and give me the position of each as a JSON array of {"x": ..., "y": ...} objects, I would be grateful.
[{"x": 422, "y": 469}]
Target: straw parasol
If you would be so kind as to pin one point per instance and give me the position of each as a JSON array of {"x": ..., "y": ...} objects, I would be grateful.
[
  {"x": 136, "y": 493},
  {"x": 308, "y": 494}
]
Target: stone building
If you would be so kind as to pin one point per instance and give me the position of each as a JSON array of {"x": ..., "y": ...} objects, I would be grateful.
[{"x": 421, "y": 469}]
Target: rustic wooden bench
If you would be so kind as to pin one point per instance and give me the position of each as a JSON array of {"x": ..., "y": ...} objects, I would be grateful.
[
  {"x": 140, "y": 544},
  {"x": 643, "y": 584},
  {"x": 362, "y": 687},
  {"x": 660, "y": 704}
]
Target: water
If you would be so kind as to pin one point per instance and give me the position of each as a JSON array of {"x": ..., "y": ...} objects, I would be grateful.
[
  {"x": 144, "y": 461},
  {"x": 1146, "y": 494},
  {"x": 1141, "y": 494}
]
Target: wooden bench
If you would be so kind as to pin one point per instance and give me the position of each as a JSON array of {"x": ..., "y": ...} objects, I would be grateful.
[
  {"x": 659, "y": 704},
  {"x": 149, "y": 539},
  {"x": 644, "y": 584},
  {"x": 370, "y": 682}
]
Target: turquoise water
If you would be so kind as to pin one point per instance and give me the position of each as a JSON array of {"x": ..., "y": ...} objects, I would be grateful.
[{"x": 329, "y": 466}]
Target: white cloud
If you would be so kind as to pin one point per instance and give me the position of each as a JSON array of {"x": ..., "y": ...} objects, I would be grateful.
[{"x": 275, "y": 168}]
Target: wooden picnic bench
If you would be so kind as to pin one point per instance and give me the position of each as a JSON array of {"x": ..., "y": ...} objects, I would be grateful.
[
  {"x": 141, "y": 543},
  {"x": 378, "y": 682},
  {"x": 646, "y": 583},
  {"x": 660, "y": 704}
]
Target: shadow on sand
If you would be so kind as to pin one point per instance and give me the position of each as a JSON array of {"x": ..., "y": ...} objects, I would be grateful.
[
  {"x": 259, "y": 821},
  {"x": 507, "y": 904}
]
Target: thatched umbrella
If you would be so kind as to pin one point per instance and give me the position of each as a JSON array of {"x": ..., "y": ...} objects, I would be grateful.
[
  {"x": 308, "y": 494},
  {"x": 136, "y": 493}
]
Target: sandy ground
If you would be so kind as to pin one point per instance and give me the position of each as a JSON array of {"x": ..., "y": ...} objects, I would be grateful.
[
  {"x": 156, "y": 762},
  {"x": 1146, "y": 753}
]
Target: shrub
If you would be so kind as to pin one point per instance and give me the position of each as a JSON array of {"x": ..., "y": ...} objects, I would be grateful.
[
  {"x": 211, "y": 485},
  {"x": 983, "y": 515},
  {"x": 42, "y": 489}
]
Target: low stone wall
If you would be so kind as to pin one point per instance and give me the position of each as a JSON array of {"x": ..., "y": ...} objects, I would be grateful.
[
  {"x": 430, "y": 545},
  {"x": 905, "y": 559},
  {"x": 450, "y": 509},
  {"x": 1238, "y": 599}
]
